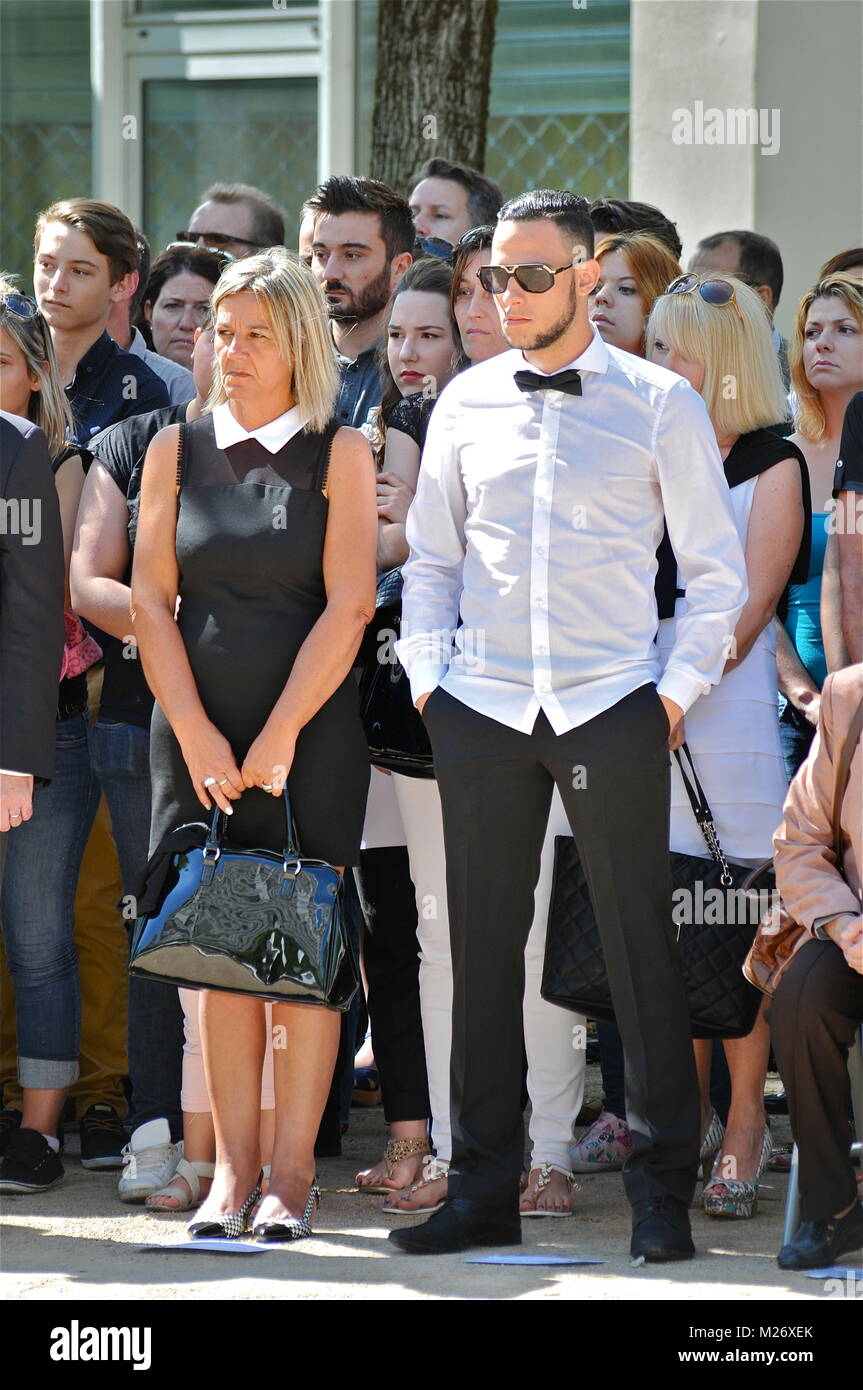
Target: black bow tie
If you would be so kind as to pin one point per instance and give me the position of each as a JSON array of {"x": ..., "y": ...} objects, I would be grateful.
[{"x": 570, "y": 382}]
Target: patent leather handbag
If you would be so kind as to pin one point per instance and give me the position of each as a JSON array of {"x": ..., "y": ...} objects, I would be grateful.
[
  {"x": 249, "y": 921},
  {"x": 394, "y": 730},
  {"x": 713, "y": 913}
]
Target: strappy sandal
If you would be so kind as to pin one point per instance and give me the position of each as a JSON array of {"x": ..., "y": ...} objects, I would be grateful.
[
  {"x": 395, "y": 1152},
  {"x": 544, "y": 1171},
  {"x": 191, "y": 1172},
  {"x": 433, "y": 1171}
]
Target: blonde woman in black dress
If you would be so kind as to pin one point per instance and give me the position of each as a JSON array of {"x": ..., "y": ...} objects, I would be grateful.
[{"x": 269, "y": 543}]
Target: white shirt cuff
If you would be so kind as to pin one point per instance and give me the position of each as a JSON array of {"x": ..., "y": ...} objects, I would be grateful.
[
  {"x": 7, "y": 772},
  {"x": 425, "y": 677},
  {"x": 680, "y": 687}
]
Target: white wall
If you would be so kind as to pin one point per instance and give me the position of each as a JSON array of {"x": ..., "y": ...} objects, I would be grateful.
[
  {"x": 808, "y": 198},
  {"x": 683, "y": 51},
  {"x": 802, "y": 58}
]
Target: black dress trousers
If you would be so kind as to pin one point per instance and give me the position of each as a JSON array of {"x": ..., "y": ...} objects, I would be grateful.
[
  {"x": 496, "y": 786},
  {"x": 814, "y": 1018}
]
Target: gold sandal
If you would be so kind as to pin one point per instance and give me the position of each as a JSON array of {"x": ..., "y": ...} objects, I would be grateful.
[
  {"x": 545, "y": 1171},
  {"x": 433, "y": 1171},
  {"x": 395, "y": 1152}
]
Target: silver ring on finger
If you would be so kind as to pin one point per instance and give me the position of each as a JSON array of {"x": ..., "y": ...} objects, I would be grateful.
[
  {"x": 266, "y": 786},
  {"x": 209, "y": 781},
  {"x": 17, "y": 817}
]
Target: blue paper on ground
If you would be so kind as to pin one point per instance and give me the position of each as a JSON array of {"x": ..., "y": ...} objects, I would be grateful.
[
  {"x": 530, "y": 1260},
  {"x": 212, "y": 1247},
  {"x": 835, "y": 1272}
]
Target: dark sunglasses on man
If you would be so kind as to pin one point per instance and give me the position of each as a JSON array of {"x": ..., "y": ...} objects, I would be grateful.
[
  {"x": 533, "y": 276},
  {"x": 215, "y": 240}
]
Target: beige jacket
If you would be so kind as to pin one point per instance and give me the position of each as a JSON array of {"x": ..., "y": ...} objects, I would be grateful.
[{"x": 809, "y": 883}]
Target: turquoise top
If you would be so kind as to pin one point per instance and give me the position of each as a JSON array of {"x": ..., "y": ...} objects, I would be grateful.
[{"x": 804, "y": 606}]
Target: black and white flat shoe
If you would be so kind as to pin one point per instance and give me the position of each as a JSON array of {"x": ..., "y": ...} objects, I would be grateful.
[
  {"x": 227, "y": 1225},
  {"x": 295, "y": 1227}
]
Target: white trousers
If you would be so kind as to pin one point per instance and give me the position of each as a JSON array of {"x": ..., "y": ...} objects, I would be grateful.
[{"x": 555, "y": 1066}]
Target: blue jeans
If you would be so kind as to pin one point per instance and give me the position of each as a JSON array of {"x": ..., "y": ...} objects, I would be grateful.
[
  {"x": 795, "y": 735},
  {"x": 121, "y": 758},
  {"x": 43, "y": 859}
]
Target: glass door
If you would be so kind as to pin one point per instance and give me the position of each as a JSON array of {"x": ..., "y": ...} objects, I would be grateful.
[{"x": 258, "y": 131}]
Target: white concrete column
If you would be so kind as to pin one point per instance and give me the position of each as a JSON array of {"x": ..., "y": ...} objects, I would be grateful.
[
  {"x": 691, "y": 56},
  {"x": 107, "y": 67},
  {"x": 336, "y": 90},
  {"x": 807, "y": 196}
]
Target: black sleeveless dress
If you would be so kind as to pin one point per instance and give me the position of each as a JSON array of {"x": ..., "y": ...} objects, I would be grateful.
[{"x": 250, "y": 535}]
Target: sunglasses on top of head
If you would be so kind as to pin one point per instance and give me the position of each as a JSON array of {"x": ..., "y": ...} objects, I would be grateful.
[
  {"x": 435, "y": 246},
  {"x": 23, "y": 307},
  {"x": 533, "y": 276},
  {"x": 718, "y": 293}
]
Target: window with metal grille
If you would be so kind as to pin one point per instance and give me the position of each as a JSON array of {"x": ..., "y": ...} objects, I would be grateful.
[
  {"x": 45, "y": 123},
  {"x": 559, "y": 104}
]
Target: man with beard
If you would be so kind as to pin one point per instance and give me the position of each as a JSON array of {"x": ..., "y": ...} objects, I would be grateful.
[
  {"x": 547, "y": 474},
  {"x": 363, "y": 238}
]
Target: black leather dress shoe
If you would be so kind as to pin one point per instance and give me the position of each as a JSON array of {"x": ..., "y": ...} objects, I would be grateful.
[
  {"x": 776, "y": 1103},
  {"x": 660, "y": 1230},
  {"x": 820, "y": 1243},
  {"x": 457, "y": 1226}
]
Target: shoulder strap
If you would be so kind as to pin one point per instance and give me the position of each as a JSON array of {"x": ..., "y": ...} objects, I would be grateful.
[
  {"x": 325, "y": 454},
  {"x": 181, "y": 455},
  {"x": 843, "y": 772}
]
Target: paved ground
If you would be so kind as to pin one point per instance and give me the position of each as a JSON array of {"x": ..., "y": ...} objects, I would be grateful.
[{"x": 79, "y": 1243}]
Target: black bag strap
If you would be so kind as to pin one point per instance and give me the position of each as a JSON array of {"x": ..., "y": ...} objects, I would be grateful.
[
  {"x": 214, "y": 843},
  {"x": 703, "y": 813}
]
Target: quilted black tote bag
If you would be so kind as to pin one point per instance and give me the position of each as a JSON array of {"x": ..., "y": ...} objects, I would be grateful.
[
  {"x": 249, "y": 921},
  {"x": 715, "y": 919}
]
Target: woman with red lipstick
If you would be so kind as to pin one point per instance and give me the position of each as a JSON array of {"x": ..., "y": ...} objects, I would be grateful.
[
  {"x": 636, "y": 268},
  {"x": 418, "y": 357},
  {"x": 826, "y": 356}
]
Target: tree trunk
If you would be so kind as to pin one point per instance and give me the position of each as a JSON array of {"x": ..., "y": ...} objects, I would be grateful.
[{"x": 432, "y": 85}]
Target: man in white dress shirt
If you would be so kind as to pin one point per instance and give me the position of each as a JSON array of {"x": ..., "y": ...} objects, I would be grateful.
[{"x": 547, "y": 474}]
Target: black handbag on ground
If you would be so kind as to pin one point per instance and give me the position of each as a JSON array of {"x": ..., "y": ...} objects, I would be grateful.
[
  {"x": 248, "y": 921},
  {"x": 394, "y": 730},
  {"x": 715, "y": 909}
]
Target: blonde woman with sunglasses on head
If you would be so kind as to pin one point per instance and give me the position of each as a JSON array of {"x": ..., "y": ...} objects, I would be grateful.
[{"x": 713, "y": 331}]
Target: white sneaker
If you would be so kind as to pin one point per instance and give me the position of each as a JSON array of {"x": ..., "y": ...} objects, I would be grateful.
[{"x": 149, "y": 1161}]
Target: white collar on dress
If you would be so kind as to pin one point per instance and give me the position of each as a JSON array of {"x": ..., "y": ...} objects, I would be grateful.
[
  {"x": 274, "y": 435},
  {"x": 593, "y": 359}
]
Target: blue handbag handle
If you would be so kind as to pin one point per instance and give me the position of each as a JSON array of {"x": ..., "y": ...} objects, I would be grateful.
[{"x": 218, "y": 823}]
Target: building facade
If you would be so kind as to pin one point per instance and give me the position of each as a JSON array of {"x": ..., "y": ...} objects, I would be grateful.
[{"x": 145, "y": 102}]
